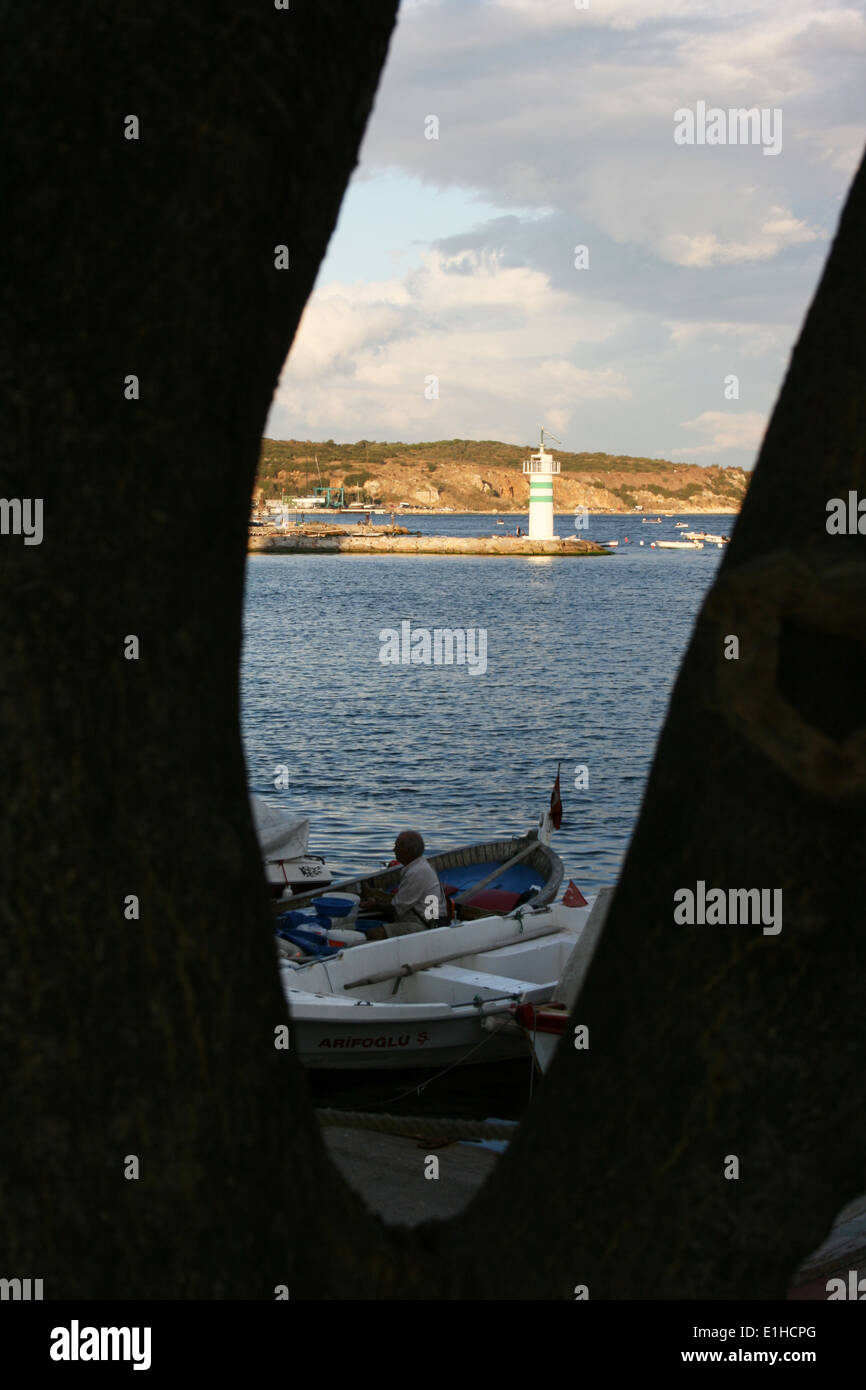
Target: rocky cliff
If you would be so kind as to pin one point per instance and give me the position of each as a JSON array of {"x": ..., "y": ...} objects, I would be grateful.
[{"x": 469, "y": 475}]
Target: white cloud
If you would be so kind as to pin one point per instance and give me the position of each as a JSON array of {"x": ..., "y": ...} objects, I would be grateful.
[
  {"x": 615, "y": 14},
  {"x": 703, "y": 259},
  {"x": 537, "y": 107},
  {"x": 779, "y": 231},
  {"x": 488, "y": 332},
  {"x": 728, "y": 431},
  {"x": 750, "y": 339}
]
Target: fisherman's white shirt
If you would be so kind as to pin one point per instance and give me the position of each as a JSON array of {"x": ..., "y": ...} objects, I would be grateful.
[{"x": 418, "y": 882}]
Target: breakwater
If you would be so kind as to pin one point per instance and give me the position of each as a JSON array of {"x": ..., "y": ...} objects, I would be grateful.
[{"x": 288, "y": 544}]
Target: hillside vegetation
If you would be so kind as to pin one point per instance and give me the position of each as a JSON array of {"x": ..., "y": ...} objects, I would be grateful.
[{"x": 486, "y": 475}]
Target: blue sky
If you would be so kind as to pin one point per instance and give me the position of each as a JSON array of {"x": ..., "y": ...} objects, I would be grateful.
[
  {"x": 454, "y": 257},
  {"x": 389, "y": 219}
]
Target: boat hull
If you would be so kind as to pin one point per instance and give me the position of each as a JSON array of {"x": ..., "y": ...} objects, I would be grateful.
[
  {"x": 431, "y": 999},
  {"x": 379, "y": 1046},
  {"x": 306, "y": 875}
]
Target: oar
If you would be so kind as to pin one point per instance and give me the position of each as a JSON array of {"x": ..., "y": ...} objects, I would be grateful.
[
  {"x": 500, "y": 869},
  {"x": 403, "y": 970}
]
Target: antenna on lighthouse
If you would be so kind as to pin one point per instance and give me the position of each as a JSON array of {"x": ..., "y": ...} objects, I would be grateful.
[{"x": 550, "y": 436}]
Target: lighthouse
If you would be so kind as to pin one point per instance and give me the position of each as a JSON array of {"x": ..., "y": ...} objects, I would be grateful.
[{"x": 542, "y": 468}]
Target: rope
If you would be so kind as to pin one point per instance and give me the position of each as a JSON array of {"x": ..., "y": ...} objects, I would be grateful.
[
  {"x": 418, "y": 1127},
  {"x": 422, "y": 1085}
]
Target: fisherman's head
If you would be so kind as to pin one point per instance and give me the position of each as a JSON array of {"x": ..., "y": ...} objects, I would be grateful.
[{"x": 408, "y": 846}]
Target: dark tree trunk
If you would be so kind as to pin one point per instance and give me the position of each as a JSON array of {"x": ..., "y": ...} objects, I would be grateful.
[
  {"x": 154, "y": 1037},
  {"x": 154, "y": 257}
]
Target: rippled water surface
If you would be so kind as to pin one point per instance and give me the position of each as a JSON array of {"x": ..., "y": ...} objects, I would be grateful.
[{"x": 581, "y": 658}]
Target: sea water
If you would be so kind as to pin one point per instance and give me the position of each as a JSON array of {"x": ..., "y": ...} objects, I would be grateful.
[{"x": 580, "y": 658}]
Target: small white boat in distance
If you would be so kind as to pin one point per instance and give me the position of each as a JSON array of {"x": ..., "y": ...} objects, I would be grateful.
[
  {"x": 432, "y": 998},
  {"x": 283, "y": 837}
]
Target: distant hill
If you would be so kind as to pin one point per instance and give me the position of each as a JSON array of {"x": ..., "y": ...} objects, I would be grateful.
[{"x": 485, "y": 475}]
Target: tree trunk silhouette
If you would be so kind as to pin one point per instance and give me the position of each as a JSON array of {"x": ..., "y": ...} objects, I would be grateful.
[{"x": 152, "y": 1037}]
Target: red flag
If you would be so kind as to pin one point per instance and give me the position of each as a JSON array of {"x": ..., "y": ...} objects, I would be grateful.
[
  {"x": 556, "y": 802},
  {"x": 572, "y": 897}
]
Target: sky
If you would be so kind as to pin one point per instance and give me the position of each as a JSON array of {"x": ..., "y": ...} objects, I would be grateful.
[{"x": 453, "y": 302}]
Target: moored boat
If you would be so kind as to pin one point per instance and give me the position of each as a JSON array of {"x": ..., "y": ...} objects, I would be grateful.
[
  {"x": 433, "y": 998},
  {"x": 493, "y": 876},
  {"x": 679, "y": 545},
  {"x": 283, "y": 837}
]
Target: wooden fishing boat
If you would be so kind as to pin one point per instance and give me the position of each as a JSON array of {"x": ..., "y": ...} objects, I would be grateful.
[
  {"x": 496, "y": 876},
  {"x": 434, "y": 998}
]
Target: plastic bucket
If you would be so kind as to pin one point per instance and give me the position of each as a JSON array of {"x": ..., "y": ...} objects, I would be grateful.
[{"x": 341, "y": 906}]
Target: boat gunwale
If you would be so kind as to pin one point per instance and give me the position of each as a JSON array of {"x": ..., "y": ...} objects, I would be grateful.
[{"x": 353, "y": 956}]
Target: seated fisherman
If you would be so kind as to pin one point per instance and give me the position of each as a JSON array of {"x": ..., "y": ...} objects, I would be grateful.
[{"x": 418, "y": 902}]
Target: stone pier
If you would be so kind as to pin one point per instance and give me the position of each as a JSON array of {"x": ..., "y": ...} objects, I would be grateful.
[{"x": 420, "y": 545}]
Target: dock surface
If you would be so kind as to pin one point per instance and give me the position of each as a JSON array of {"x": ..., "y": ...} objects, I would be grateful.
[{"x": 387, "y": 1170}]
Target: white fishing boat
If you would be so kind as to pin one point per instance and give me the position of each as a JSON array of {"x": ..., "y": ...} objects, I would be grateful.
[
  {"x": 283, "y": 836},
  {"x": 680, "y": 545},
  {"x": 434, "y": 998}
]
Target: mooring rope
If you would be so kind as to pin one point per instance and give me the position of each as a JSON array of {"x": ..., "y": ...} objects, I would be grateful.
[{"x": 417, "y": 1126}]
